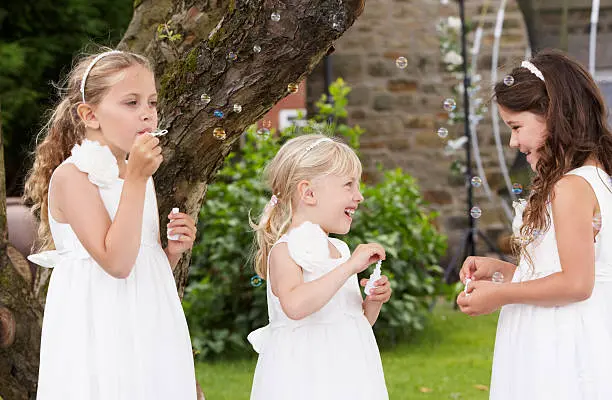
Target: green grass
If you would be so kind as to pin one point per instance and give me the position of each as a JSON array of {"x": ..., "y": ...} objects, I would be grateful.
[{"x": 450, "y": 359}]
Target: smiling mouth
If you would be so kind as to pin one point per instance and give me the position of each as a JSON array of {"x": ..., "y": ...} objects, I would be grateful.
[{"x": 349, "y": 212}]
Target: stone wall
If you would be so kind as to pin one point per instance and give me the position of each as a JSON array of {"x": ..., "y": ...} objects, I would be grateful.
[{"x": 401, "y": 109}]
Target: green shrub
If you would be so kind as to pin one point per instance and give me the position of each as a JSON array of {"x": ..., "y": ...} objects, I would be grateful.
[{"x": 221, "y": 303}]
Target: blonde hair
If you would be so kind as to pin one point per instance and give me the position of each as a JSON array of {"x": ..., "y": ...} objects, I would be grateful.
[
  {"x": 304, "y": 157},
  {"x": 65, "y": 128}
]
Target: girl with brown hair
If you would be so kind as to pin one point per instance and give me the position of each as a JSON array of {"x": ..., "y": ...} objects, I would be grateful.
[
  {"x": 554, "y": 335},
  {"x": 113, "y": 325}
]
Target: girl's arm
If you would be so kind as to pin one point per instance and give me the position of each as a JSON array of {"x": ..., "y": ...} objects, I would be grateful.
[
  {"x": 371, "y": 310},
  {"x": 298, "y": 298},
  {"x": 573, "y": 206},
  {"x": 173, "y": 259},
  {"x": 113, "y": 245}
]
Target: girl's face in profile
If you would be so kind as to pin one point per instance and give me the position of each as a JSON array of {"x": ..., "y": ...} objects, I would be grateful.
[
  {"x": 528, "y": 133},
  {"x": 129, "y": 107},
  {"x": 337, "y": 198}
]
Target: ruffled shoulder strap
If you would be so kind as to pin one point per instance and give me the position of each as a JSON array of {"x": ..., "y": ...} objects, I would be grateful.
[
  {"x": 97, "y": 161},
  {"x": 308, "y": 246}
]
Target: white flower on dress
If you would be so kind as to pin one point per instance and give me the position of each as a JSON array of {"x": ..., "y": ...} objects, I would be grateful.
[
  {"x": 97, "y": 161},
  {"x": 308, "y": 245}
]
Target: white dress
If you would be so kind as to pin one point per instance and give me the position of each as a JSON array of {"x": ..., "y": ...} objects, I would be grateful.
[
  {"x": 559, "y": 353},
  {"x": 330, "y": 354},
  {"x": 105, "y": 338}
]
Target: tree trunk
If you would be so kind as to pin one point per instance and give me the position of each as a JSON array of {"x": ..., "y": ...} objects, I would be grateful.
[
  {"x": 200, "y": 64},
  {"x": 20, "y": 313},
  {"x": 189, "y": 44}
]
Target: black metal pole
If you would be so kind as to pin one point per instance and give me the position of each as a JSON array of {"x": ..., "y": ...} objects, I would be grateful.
[{"x": 471, "y": 248}]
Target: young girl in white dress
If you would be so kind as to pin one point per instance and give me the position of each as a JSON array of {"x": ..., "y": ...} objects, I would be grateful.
[
  {"x": 319, "y": 343},
  {"x": 113, "y": 325},
  {"x": 554, "y": 335}
]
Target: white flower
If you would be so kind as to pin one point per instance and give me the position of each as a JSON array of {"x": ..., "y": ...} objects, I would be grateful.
[
  {"x": 454, "y": 23},
  {"x": 454, "y": 58},
  {"x": 517, "y": 222},
  {"x": 453, "y": 145},
  {"x": 97, "y": 161}
]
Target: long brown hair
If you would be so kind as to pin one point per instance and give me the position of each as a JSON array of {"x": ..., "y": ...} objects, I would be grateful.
[
  {"x": 576, "y": 124},
  {"x": 64, "y": 129}
]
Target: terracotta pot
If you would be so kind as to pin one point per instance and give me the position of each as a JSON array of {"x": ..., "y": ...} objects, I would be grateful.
[{"x": 21, "y": 225}]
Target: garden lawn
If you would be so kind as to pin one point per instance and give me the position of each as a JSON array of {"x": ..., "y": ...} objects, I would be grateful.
[{"x": 450, "y": 359}]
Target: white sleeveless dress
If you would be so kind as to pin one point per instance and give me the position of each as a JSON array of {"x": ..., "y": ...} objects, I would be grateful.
[
  {"x": 329, "y": 355},
  {"x": 105, "y": 338},
  {"x": 559, "y": 353}
]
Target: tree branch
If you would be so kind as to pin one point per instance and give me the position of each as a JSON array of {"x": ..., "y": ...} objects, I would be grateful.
[{"x": 199, "y": 64}]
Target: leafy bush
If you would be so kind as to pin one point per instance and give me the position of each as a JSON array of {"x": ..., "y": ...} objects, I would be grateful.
[{"x": 222, "y": 303}]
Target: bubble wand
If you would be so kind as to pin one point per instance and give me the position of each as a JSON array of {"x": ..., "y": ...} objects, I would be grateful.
[{"x": 373, "y": 278}]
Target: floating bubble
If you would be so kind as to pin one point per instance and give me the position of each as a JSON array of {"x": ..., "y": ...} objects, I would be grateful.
[
  {"x": 509, "y": 80},
  {"x": 256, "y": 281},
  {"x": 476, "y": 212},
  {"x": 401, "y": 62},
  {"x": 219, "y": 133},
  {"x": 275, "y": 16},
  {"x": 263, "y": 132},
  {"x": 256, "y": 48},
  {"x": 232, "y": 56},
  {"x": 450, "y": 104},
  {"x": 237, "y": 108},
  {"x": 597, "y": 222},
  {"x": 204, "y": 98},
  {"x": 218, "y": 113},
  {"x": 497, "y": 277},
  {"x": 517, "y": 188},
  {"x": 476, "y": 181},
  {"x": 293, "y": 87},
  {"x": 442, "y": 132}
]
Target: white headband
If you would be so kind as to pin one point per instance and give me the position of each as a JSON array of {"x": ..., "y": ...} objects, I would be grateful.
[
  {"x": 91, "y": 65},
  {"x": 533, "y": 69},
  {"x": 318, "y": 142}
]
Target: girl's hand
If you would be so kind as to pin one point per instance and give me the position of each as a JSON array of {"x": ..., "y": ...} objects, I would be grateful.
[
  {"x": 483, "y": 297},
  {"x": 145, "y": 157},
  {"x": 477, "y": 268},
  {"x": 366, "y": 254},
  {"x": 381, "y": 293},
  {"x": 183, "y": 225}
]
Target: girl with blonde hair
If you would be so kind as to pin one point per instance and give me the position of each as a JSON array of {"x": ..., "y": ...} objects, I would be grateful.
[{"x": 319, "y": 343}]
